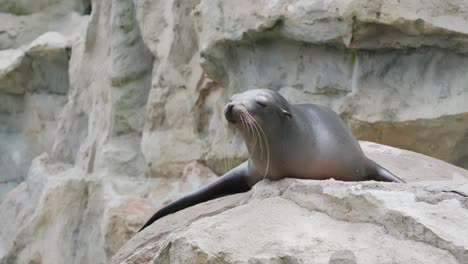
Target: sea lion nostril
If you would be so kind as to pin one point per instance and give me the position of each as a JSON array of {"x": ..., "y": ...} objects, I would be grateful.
[
  {"x": 229, "y": 113},
  {"x": 229, "y": 108}
]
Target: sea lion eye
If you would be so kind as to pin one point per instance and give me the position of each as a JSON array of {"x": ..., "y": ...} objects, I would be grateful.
[{"x": 261, "y": 100}]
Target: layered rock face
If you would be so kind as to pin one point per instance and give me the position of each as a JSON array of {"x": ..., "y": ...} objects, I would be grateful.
[
  {"x": 384, "y": 65},
  {"x": 35, "y": 48},
  {"x": 124, "y": 101},
  {"x": 306, "y": 221},
  {"x": 300, "y": 221},
  {"x": 33, "y": 89}
]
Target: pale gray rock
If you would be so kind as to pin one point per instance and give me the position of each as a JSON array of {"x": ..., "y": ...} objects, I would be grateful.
[
  {"x": 11, "y": 62},
  {"x": 33, "y": 87},
  {"x": 414, "y": 167},
  {"x": 25, "y": 7},
  {"x": 394, "y": 69},
  {"x": 25, "y": 20},
  {"x": 304, "y": 221},
  {"x": 40, "y": 67},
  {"x": 101, "y": 125},
  {"x": 181, "y": 96},
  {"x": 84, "y": 218}
]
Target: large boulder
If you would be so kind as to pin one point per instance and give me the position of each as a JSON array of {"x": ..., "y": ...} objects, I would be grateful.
[{"x": 306, "y": 221}]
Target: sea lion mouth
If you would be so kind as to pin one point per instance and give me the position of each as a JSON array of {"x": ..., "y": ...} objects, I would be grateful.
[{"x": 231, "y": 120}]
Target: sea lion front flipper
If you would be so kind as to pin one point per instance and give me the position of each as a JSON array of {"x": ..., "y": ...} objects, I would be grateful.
[{"x": 234, "y": 181}]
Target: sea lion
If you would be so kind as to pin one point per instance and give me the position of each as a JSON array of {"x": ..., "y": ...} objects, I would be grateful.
[{"x": 304, "y": 141}]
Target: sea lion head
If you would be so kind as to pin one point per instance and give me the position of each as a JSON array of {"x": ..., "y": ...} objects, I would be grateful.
[
  {"x": 261, "y": 116},
  {"x": 264, "y": 106}
]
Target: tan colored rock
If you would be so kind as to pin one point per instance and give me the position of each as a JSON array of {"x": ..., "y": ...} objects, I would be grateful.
[
  {"x": 123, "y": 221},
  {"x": 303, "y": 221},
  {"x": 46, "y": 209},
  {"x": 322, "y": 221},
  {"x": 83, "y": 218},
  {"x": 124, "y": 216},
  {"x": 138, "y": 250}
]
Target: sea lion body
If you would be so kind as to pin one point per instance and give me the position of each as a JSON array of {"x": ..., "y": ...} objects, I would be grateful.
[
  {"x": 304, "y": 141},
  {"x": 315, "y": 144}
]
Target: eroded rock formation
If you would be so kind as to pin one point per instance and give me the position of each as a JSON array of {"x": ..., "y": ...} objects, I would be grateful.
[{"x": 297, "y": 221}]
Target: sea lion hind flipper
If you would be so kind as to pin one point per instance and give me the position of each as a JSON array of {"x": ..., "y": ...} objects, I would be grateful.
[
  {"x": 379, "y": 173},
  {"x": 234, "y": 181}
]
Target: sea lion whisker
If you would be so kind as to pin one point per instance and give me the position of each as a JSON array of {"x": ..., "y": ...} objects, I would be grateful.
[
  {"x": 266, "y": 144},
  {"x": 254, "y": 135},
  {"x": 242, "y": 118},
  {"x": 255, "y": 125},
  {"x": 228, "y": 162},
  {"x": 225, "y": 139},
  {"x": 246, "y": 123},
  {"x": 267, "y": 147}
]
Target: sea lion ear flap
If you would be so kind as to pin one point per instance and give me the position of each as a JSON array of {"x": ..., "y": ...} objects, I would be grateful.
[{"x": 286, "y": 113}]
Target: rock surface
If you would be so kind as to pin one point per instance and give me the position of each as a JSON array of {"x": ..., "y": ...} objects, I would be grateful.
[
  {"x": 33, "y": 90},
  {"x": 305, "y": 221},
  {"x": 125, "y": 98},
  {"x": 300, "y": 221},
  {"x": 25, "y": 20},
  {"x": 61, "y": 214},
  {"x": 394, "y": 69}
]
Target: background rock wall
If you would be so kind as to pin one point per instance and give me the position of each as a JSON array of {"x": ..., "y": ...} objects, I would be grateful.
[
  {"x": 396, "y": 70},
  {"x": 125, "y": 98}
]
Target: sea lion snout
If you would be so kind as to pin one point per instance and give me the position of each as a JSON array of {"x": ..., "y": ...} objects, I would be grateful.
[{"x": 229, "y": 113}]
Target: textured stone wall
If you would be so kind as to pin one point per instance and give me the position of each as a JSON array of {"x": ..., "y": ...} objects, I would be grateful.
[
  {"x": 396, "y": 70},
  {"x": 33, "y": 90},
  {"x": 110, "y": 109}
]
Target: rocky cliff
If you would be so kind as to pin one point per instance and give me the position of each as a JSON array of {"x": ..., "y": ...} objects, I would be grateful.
[{"x": 110, "y": 109}]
